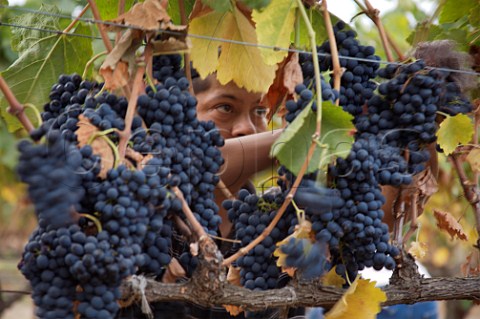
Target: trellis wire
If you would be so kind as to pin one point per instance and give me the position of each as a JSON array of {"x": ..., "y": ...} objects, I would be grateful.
[{"x": 258, "y": 45}]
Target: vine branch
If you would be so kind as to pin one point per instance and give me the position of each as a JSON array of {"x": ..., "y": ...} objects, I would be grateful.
[
  {"x": 305, "y": 294},
  {"x": 337, "y": 70},
  {"x": 374, "y": 15},
  {"x": 15, "y": 108},
  {"x": 77, "y": 18},
  {"x": 132, "y": 105},
  {"x": 470, "y": 190},
  {"x": 100, "y": 26}
]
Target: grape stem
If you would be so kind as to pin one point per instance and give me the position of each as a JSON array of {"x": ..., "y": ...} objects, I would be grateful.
[
  {"x": 186, "y": 56},
  {"x": 318, "y": 86},
  {"x": 100, "y": 26},
  {"x": 77, "y": 18},
  {"x": 121, "y": 10},
  {"x": 149, "y": 62},
  {"x": 15, "y": 108},
  {"x": 337, "y": 70},
  {"x": 132, "y": 105},
  {"x": 91, "y": 61},
  {"x": 194, "y": 224},
  {"x": 374, "y": 15},
  {"x": 471, "y": 190}
]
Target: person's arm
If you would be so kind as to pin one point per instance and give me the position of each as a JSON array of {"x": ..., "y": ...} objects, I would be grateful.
[{"x": 245, "y": 156}]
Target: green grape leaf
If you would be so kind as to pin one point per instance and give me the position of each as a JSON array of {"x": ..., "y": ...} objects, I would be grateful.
[
  {"x": 337, "y": 130},
  {"x": 424, "y": 32},
  {"x": 454, "y": 130},
  {"x": 109, "y": 8},
  {"x": 24, "y": 38},
  {"x": 318, "y": 24},
  {"x": 31, "y": 76},
  {"x": 291, "y": 148},
  {"x": 256, "y": 4},
  {"x": 174, "y": 10},
  {"x": 218, "y": 5},
  {"x": 274, "y": 25},
  {"x": 456, "y": 9}
]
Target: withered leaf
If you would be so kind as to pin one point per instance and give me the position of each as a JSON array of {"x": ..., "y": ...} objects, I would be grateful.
[
  {"x": 174, "y": 270},
  {"x": 149, "y": 15},
  {"x": 447, "y": 222},
  {"x": 167, "y": 43},
  {"x": 233, "y": 275},
  {"x": 287, "y": 76},
  {"x": 468, "y": 269},
  {"x": 86, "y": 131},
  {"x": 418, "y": 249},
  {"x": 233, "y": 310},
  {"x": 119, "y": 65}
]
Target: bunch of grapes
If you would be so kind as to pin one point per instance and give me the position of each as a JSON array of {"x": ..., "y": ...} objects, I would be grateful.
[{"x": 100, "y": 225}]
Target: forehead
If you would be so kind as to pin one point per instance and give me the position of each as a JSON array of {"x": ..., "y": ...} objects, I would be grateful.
[{"x": 231, "y": 89}]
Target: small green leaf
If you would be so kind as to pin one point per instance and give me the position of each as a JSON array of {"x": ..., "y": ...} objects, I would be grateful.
[
  {"x": 454, "y": 130},
  {"x": 109, "y": 8},
  {"x": 456, "y": 9},
  {"x": 291, "y": 148},
  {"x": 318, "y": 24},
  {"x": 173, "y": 10},
  {"x": 31, "y": 76},
  {"x": 337, "y": 129},
  {"x": 257, "y": 4},
  {"x": 218, "y": 5},
  {"x": 24, "y": 38}
]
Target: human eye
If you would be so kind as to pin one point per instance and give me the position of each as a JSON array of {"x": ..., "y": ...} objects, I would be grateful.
[
  {"x": 261, "y": 111},
  {"x": 224, "y": 108}
]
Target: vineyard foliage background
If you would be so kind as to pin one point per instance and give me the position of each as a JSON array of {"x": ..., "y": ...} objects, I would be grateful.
[{"x": 30, "y": 74}]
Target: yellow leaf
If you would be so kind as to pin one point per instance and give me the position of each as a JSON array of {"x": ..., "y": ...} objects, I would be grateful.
[
  {"x": 274, "y": 25},
  {"x": 418, "y": 249},
  {"x": 240, "y": 63},
  {"x": 361, "y": 301},
  {"x": 333, "y": 279},
  {"x": 454, "y": 130},
  {"x": 204, "y": 53},
  {"x": 473, "y": 158}
]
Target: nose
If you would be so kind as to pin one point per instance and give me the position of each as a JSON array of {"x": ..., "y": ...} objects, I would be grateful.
[{"x": 243, "y": 126}]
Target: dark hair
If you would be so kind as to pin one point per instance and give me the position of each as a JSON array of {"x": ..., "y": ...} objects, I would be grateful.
[{"x": 201, "y": 85}]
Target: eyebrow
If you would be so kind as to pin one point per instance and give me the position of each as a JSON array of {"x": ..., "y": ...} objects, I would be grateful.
[{"x": 229, "y": 96}]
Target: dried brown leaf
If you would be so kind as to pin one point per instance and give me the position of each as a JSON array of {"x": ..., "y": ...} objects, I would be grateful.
[
  {"x": 168, "y": 43},
  {"x": 149, "y": 15},
  {"x": 467, "y": 269},
  {"x": 287, "y": 76},
  {"x": 447, "y": 222},
  {"x": 233, "y": 310},
  {"x": 233, "y": 276},
  {"x": 85, "y": 133},
  {"x": 120, "y": 63},
  {"x": 174, "y": 270}
]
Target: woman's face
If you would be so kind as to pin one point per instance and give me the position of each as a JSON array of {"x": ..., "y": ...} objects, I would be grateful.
[{"x": 235, "y": 111}]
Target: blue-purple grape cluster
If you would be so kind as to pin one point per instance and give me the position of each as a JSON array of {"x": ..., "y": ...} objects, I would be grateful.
[
  {"x": 113, "y": 223},
  {"x": 357, "y": 85}
]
